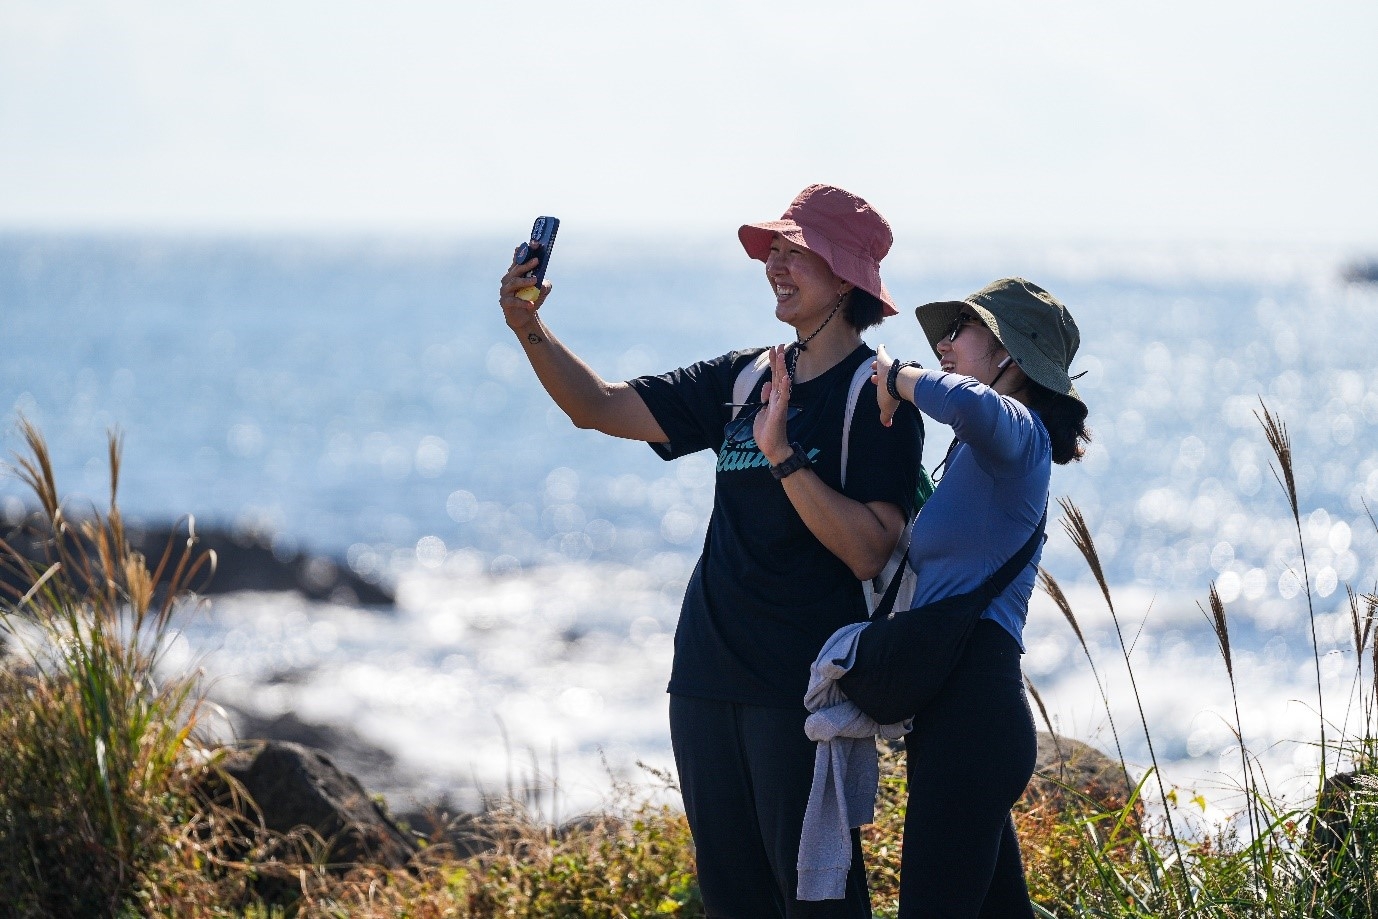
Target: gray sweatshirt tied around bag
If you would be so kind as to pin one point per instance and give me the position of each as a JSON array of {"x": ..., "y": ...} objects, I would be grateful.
[{"x": 846, "y": 770}]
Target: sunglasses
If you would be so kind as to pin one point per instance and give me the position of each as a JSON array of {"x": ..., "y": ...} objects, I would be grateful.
[
  {"x": 739, "y": 430},
  {"x": 962, "y": 320}
]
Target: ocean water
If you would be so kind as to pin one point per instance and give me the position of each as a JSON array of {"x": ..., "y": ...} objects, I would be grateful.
[{"x": 361, "y": 398}]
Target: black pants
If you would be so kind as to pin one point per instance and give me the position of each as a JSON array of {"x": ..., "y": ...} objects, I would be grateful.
[
  {"x": 969, "y": 757},
  {"x": 745, "y": 772}
]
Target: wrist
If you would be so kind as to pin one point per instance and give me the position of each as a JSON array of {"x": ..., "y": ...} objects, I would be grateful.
[
  {"x": 796, "y": 459},
  {"x": 775, "y": 455},
  {"x": 892, "y": 378},
  {"x": 530, "y": 332}
]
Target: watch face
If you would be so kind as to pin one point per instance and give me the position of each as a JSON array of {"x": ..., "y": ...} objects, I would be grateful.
[{"x": 793, "y": 463}]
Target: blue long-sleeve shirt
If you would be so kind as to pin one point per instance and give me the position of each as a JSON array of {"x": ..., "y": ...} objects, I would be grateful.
[{"x": 993, "y": 492}]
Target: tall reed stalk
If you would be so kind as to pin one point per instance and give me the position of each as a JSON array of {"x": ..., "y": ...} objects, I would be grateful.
[
  {"x": 1221, "y": 627},
  {"x": 1054, "y": 590},
  {"x": 1281, "y": 444},
  {"x": 96, "y": 746},
  {"x": 1075, "y": 525},
  {"x": 1316, "y": 860}
]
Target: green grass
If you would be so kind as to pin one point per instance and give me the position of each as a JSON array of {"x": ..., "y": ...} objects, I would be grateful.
[
  {"x": 99, "y": 761},
  {"x": 95, "y": 752}
]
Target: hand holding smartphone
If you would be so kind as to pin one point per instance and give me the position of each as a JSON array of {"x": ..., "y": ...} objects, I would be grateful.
[{"x": 542, "y": 241}]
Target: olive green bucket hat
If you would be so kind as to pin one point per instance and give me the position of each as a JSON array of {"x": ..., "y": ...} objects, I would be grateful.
[{"x": 1031, "y": 324}]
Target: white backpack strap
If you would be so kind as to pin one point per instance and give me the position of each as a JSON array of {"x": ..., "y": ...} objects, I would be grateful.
[
  {"x": 747, "y": 378},
  {"x": 896, "y": 566},
  {"x": 859, "y": 380},
  {"x": 898, "y": 563}
]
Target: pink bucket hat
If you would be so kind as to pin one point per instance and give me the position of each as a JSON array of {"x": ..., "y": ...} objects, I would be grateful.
[{"x": 843, "y": 229}]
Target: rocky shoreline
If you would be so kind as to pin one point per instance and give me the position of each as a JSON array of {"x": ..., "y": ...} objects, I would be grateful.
[{"x": 243, "y": 561}]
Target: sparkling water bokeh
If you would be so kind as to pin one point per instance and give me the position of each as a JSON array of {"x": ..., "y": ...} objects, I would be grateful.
[{"x": 361, "y": 399}]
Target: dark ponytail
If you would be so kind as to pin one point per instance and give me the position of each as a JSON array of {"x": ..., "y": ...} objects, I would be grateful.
[{"x": 1065, "y": 419}]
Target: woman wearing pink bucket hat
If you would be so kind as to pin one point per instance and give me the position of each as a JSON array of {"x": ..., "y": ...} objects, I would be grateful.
[{"x": 811, "y": 495}]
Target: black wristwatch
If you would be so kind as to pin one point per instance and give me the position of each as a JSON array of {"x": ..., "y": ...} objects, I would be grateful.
[
  {"x": 793, "y": 463},
  {"x": 893, "y": 377}
]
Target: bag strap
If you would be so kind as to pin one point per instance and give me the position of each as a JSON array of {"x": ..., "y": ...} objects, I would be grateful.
[
  {"x": 995, "y": 584},
  {"x": 991, "y": 587},
  {"x": 751, "y": 374},
  {"x": 860, "y": 377},
  {"x": 747, "y": 378}
]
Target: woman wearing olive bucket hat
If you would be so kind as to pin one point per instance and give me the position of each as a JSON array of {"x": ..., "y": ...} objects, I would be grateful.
[
  {"x": 788, "y": 540},
  {"x": 952, "y": 661}
]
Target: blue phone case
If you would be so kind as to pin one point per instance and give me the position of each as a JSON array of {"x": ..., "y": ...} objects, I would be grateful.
[{"x": 542, "y": 242}]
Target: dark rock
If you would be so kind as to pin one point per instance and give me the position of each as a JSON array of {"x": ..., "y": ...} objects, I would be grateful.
[
  {"x": 1341, "y": 839},
  {"x": 243, "y": 561},
  {"x": 1064, "y": 763},
  {"x": 1361, "y": 272},
  {"x": 372, "y": 765},
  {"x": 249, "y": 562},
  {"x": 1345, "y": 800},
  {"x": 441, "y": 823},
  {"x": 294, "y": 787},
  {"x": 463, "y": 834}
]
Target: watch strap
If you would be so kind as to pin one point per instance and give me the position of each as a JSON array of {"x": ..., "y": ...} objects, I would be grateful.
[{"x": 792, "y": 463}]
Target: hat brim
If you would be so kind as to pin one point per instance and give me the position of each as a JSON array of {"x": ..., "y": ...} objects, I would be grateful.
[
  {"x": 936, "y": 319},
  {"x": 857, "y": 271}
]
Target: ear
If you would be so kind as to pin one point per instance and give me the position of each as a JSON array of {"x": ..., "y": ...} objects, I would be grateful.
[
  {"x": 845, "y": 287},
  {"x": 1013, "y": 373}
]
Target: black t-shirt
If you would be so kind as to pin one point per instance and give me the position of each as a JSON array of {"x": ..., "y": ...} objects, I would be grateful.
[{"x": 766, "y": 593}]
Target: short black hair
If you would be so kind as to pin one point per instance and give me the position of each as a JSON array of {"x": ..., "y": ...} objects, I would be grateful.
[{"x": 863, "y": 310}]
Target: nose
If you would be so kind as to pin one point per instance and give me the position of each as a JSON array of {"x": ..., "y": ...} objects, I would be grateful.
[
  {"x": 773, "y": 263},
  {"x": 944, "y": 345}
]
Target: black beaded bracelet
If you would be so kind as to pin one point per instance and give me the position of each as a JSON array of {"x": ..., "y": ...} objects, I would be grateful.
[{"x": 893, "y": 376}]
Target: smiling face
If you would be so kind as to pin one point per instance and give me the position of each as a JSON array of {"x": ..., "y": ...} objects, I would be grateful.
[
  {"x": 974, "y": 352},
  {"x": 806, "y": 290}
]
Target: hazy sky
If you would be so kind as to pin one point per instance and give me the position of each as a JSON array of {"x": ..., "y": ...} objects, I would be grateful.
[{"x": 1212, "y": 119}]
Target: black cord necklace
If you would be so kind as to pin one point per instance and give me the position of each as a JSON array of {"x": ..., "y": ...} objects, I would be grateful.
[{"x": 792, "y": 354}]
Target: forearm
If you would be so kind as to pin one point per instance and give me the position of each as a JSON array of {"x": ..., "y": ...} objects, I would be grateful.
[
  {"x": 862, "y": 535},
  {"x": 588, "y": 400},
  {"x": 575, "y": 386}
]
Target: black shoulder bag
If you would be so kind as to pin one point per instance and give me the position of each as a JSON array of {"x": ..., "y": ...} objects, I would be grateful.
[{"x": 903, "y": 659}]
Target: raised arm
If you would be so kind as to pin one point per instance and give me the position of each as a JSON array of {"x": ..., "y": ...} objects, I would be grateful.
[
  {"x": 997, "y": 428},
  {"x": 583, "y": 395}
]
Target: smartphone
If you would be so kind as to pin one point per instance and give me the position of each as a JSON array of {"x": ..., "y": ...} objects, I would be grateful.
[{"x": 541, "y": 243}]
